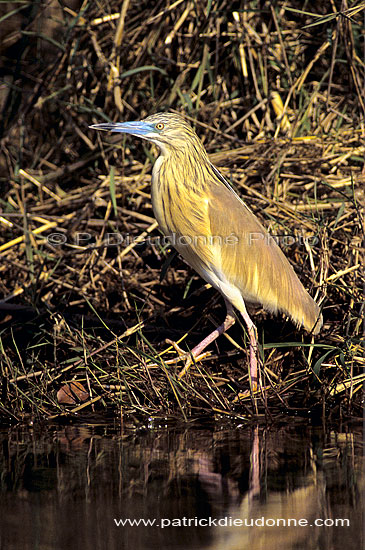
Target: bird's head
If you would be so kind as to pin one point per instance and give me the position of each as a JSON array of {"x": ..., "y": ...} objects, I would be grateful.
[{"x": 168, "y": 131}]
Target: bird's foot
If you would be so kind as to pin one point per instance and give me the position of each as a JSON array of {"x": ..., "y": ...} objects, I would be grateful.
[
  {"x": 181, "y": 353},
  {"x": 189, "y": 357},
  {"x": 248, "y": 393},
  {"x": 242, "y": 396},
  {"x": 192, "y": 359}
]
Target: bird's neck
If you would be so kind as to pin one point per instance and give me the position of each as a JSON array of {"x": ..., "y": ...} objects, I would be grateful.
[{"x": 185, "y": 168}]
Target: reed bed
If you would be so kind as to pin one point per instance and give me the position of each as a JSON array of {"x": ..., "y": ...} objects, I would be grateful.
[{"x": 89, "y": 290}]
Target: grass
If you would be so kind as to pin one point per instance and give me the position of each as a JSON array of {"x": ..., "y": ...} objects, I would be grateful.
[{"x": 89, "y": 290}]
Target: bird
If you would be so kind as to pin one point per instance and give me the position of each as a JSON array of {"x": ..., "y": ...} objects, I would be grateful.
[{"x": 217, "y": 234}]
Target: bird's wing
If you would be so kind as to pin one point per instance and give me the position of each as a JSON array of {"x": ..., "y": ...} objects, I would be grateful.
[
  {"x": 250, "y": 259},
  {"x": 225, "y": 243}
]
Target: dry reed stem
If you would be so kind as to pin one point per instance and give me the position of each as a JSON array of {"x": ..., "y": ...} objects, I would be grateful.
[{"x": 277, "y": 98}]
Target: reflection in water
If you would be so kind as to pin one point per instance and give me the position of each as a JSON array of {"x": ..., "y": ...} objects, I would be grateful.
[
  {"x": 278, "y": 519},
  {"x": 63, "y": 488}
]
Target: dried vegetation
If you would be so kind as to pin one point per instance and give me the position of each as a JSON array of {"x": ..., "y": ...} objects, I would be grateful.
[{"x": 88, "y": 291}]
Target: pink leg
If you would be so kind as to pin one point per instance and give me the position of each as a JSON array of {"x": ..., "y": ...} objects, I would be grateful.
[
  {"x": 252, "y": 332},
  {"x": 196, "y": 351}
]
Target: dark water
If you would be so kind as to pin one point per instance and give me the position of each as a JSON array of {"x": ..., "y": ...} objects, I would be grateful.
[{"x": 66, "y": 487}]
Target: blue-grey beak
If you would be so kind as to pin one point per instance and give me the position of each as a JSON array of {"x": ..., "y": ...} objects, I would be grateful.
[{"x": 137, "y": 128}]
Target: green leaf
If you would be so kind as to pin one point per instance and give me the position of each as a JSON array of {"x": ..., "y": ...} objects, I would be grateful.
[
  {"x": 301, "y": 12},
  {"x": 322, "y": 20},
  {"x": 137, "y": 70},
  {"x": 166, "y": 264},
  {"x": 112, "y": 189},
  {"x": 12, "y": 12},
  {"x": 209, "y": 7},
  {"x": 318, "y": 364}
]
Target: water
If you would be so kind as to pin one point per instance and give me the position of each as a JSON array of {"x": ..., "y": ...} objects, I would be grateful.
[{"x": 68, "y": 487}]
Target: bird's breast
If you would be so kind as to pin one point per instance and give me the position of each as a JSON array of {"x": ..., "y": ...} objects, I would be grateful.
[
  {"x": 160, "y": 196},
  {"x": 181, "y": 209}
]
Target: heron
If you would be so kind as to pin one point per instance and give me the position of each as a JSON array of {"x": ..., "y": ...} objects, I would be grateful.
[{"x": 217, "y": 233}]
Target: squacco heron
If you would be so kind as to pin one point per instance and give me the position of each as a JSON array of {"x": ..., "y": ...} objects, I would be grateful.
[{"x": 216, "y": 232}]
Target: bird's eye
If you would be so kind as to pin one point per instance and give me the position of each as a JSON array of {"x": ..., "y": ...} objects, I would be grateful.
[{"x": 159, "y": 126}]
